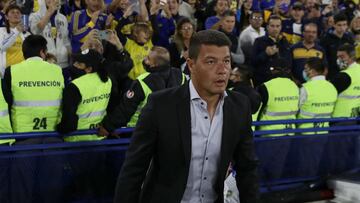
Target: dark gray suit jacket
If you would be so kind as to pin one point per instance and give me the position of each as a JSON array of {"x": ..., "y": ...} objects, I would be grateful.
[{"x": 163, "y": 138}]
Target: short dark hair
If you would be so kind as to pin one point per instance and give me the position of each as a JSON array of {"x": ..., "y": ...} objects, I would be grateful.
[
  {"x": 340, "y": 17},
  {"x": 244, "y": 72},
  {"x": 207, "y": 37},
  {"x": 33, "y": 45},
  {"x": 316, "y": 64},
  {"x": 311, "y": 24},
  {"x": 349, "y": 49},
  {"x": 228, "y": 13},
  {"x": 274, "y": 17}
]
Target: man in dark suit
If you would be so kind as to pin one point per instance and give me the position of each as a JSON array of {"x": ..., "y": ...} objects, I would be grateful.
[{"x": 187, "y": 136}]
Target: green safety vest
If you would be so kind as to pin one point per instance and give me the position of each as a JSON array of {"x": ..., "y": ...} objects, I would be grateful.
[
  {"x": 348, "y": 102},
  {"x": 95, "y": 95},
  {"x": 320, "y": 103},
  {"x": 282, "y": 104},
  {"x": 147, "y": 91},
  {"x": 37, "y": 88},
  {"x": 5, "y": 126}
]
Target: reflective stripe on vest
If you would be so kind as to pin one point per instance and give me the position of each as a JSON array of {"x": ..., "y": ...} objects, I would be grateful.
[
  {"x": 37, "y": 88},
  {"x": 4, "y": 113},
  {"x": 349, "y": 96},
  {"x": 285, "y": 113},
  {"x": 37, "y": 103},
  {"x": 95, "y": 96},
  {"x": 92, "y": 114},
  {"x": 315, "y": 115}
]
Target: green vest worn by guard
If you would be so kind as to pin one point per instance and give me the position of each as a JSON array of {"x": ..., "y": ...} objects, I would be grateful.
[
  {"x": 320, "y": 103},
  {"x": 95, "y": 95},
  {"x": 348, "y": 102},
  {"x": 37, "y": 88},
  {"x": 5, "y": 126},
  {"x": 147, "y": 92},
  {"x": 282, "y": 104}
]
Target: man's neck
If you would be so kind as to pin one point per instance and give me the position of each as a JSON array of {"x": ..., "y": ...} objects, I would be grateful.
[
  {"x": 211, "y": 100},
  {"x": 340, "y": 35},
  {"x": 256, "y": 29},
  {"x": 308, "y": 44}
]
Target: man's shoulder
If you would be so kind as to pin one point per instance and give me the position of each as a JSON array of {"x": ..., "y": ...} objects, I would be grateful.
[
  {"x": 238, "y": 98},
  {"x": 171, "y": 95}
]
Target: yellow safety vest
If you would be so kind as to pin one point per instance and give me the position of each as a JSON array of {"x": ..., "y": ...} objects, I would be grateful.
[{"x": 37, "y": 88}]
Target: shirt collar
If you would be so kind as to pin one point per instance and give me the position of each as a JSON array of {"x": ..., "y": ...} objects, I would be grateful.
[
  {"x": 194, "y": 95},
  {"x": 34, "y": 58},
  {"x": 318, "y": 77}
]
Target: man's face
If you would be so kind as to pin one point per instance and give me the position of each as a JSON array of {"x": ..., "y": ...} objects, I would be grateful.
[
  {"x": 297, "y": 14},
  {"x": 228, "y": 23},
  {"x": 274, "y": 27},
  {"x": 340, "y": 27},
  {"x": 211, "y": 70},
  {"x": 173, "y": 6},
  {"x": 14, "y": 16},
  {"x": 123, "y": 4},
  {"x": 342, "y": 55},
  {"x": 94, "y": 5},
  {"x": 221, "y": 6},
  {"x": 142, "y": 37},
  {"x": 310, "y": 34},
  {"x": 256, "y": 20}
]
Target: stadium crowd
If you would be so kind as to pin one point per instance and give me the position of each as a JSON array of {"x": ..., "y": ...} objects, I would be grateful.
[{"x": 293, "y": 59}]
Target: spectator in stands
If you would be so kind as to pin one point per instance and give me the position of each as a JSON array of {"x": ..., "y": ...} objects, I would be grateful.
[
  {"x": 249, "y": 34},
  {"x": 34, "y": 86},
  {"x": 187, "y": 114},
  {"x": 122, "y": 9},
  {"x": 174, "y": 9},
  {"x": 292, "y": 27},
  {"x": 80, "y": 111},
  {"x": 334, "y": 39},
  {"x": 246, "y": 12},
  {"x": 71, "y": 6},
  {"x": 163, "y": 26},
  {"x": 268, "y": 48},
  {"x": 357, "y": 46},
  {"x": 228, "y": 20},
  {"x": 317, "y": 96},
  {"x": 54, "y": 27},
  {"x": 83, "y": 21},
  {"x": 240, "y": 81},
  {"x": 11, "y": 39},
  {"x": 355, "y": 25},
  {"x": 138, "y": 46},
  {"x": 307, "y": 48},
  {"x": 280, "y": 98},
  {"x": 347, "y": 83},
  {"x": 213, "y": 22},
  {"x": 180, "y": 44},
  {"x": 159, "y": 76}
]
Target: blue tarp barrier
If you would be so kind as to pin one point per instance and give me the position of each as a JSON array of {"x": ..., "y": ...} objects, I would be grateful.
[{"x": 87, "y": 171}]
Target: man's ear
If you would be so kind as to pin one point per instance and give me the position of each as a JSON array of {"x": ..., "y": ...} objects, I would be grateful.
[
  {"x": 191, "y": 64},
  {"x": 88, "y": 69},
  {"x": 43, "y": 54}
]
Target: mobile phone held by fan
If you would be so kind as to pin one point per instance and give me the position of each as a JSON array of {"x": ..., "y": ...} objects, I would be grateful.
[
  {"x": 163, "y": 2},
  {"x": 104, "y": 34}
]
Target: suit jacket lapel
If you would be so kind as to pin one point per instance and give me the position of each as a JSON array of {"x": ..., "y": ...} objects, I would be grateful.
[{"x": 183, "y": 109}]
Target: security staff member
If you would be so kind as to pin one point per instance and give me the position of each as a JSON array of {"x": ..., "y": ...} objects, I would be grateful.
[
  {"x": 33, "y": 89},
  {"x": 86, "y": 98},
  {"x": 35, "y": 86},
  {"x": 280, "y": 97},
  {"x": 159, "y": 76},
  {"x": 347, "y": 83},
  {"x": 317, "y": 96}
]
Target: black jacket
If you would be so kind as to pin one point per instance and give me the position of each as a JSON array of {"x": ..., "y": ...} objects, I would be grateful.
[
  {"x": 162, "y": 137},
  {"x": 261, "y": 61},
  {"x": 330, "y": 42},
  {"x": 121, "y": 115},
  {"x": 251, "y": 93}
]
